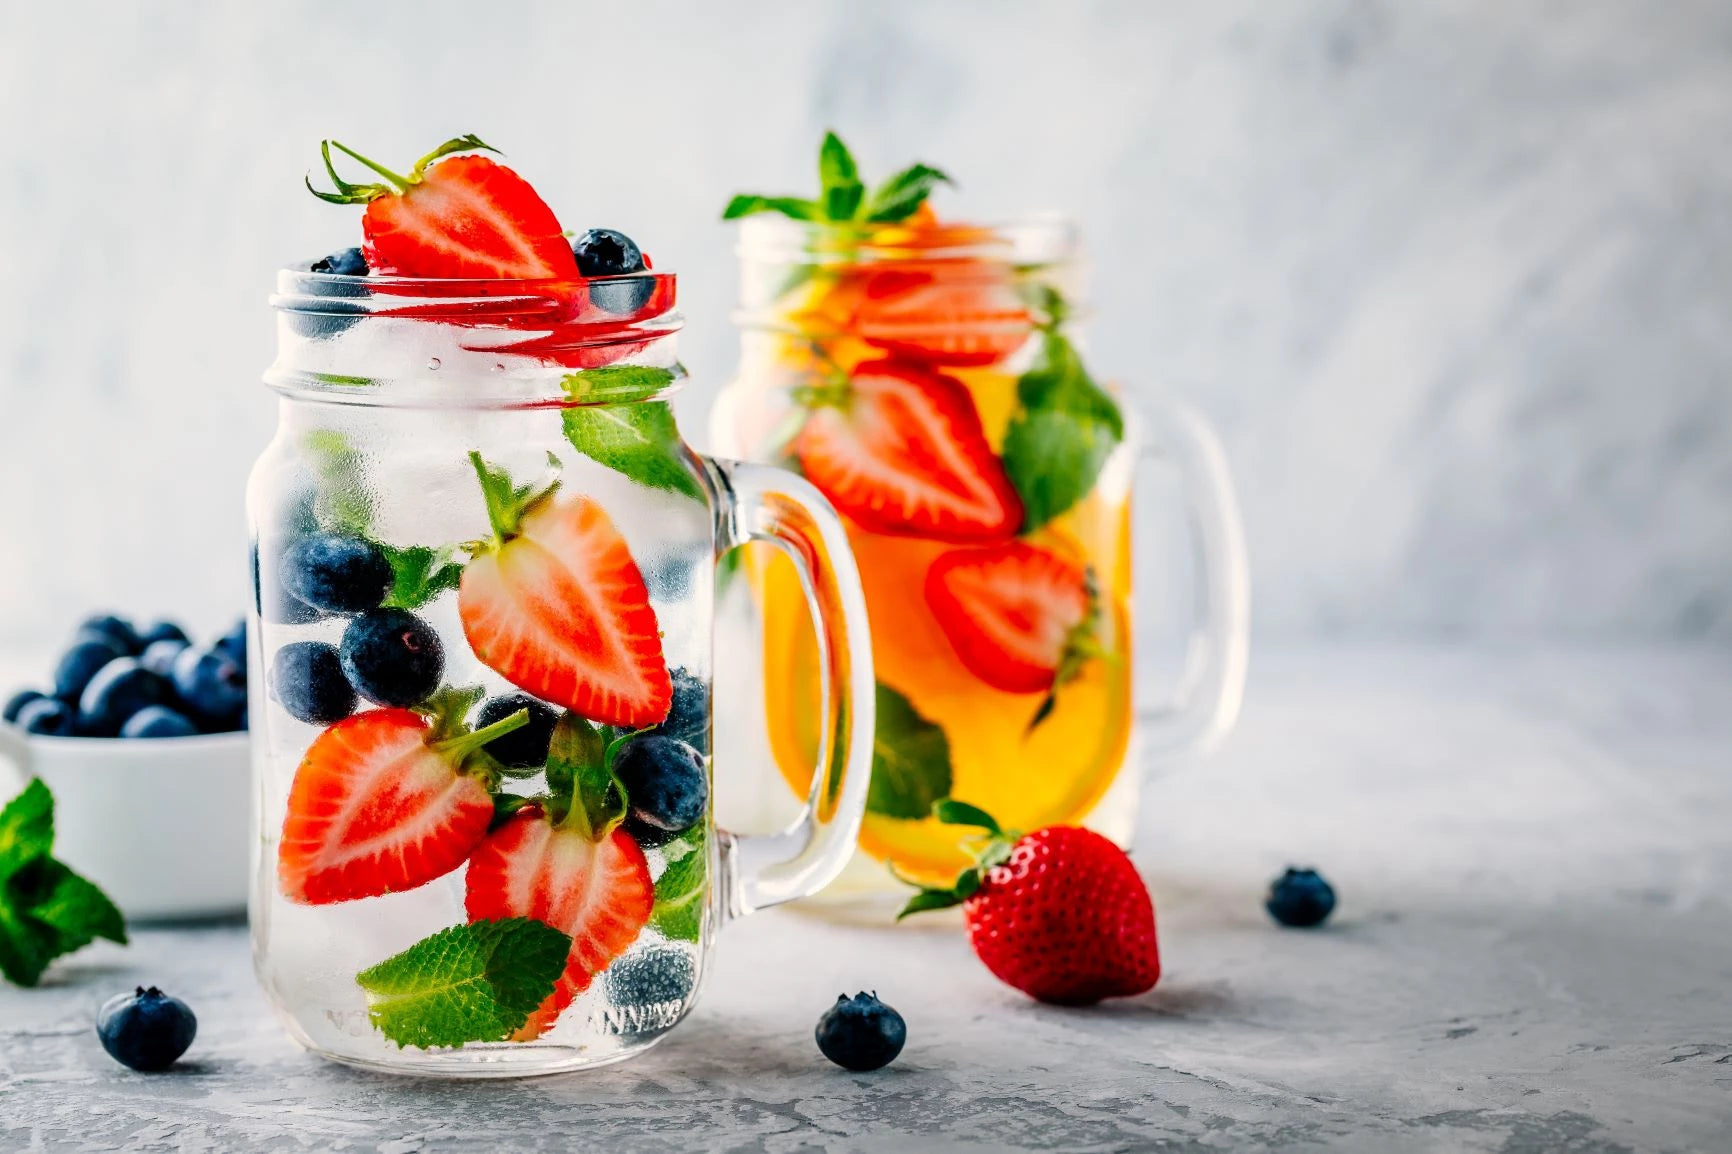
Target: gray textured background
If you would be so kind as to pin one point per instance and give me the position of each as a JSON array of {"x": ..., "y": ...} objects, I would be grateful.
[{"x": 1451, "y": 278}]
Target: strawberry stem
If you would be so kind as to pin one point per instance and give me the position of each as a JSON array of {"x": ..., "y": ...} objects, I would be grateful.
[
  {"x": 401, "y": 183},
  {"x": 464, "y": 744}
]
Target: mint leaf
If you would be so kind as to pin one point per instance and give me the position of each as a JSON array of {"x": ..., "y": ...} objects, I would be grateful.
[
  {"x": 618, "y": 383},
  {"x": 679, "y": 908},
  {"x": 839, "y": 179},
  {"x": 45, "y": 908},
  {"x": 342, "y": 504},
  {"x": 1061, "y": 436},
  {"x": 910, "y": 760},
  {"x": 641, "y": 441},
  {"x": 471, "y": 983},
  {"x": 419, "y": 574},
  {"x": 901, "y": 196},
  {"x": 789, "y": 206}
]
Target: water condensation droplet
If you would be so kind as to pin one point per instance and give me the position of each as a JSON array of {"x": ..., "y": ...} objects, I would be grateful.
[
  {"x": 499, "y": 366},
  {"x": 432, "y": 362}
]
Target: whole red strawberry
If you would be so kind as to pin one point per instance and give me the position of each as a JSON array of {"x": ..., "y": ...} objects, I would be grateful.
[{"x": 1061, "y": 913}]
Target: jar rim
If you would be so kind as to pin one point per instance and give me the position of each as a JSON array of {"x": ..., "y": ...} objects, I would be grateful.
[
  {"x": 605, "y": 300},
  {"x": 1039, "y": 238}
]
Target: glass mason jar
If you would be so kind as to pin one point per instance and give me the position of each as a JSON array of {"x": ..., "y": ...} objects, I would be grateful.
[
  {"x": 484, "y": 566},
  {"x": 927, "y": 378}
]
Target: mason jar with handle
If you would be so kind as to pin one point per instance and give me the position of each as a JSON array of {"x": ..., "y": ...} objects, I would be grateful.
[
  {"x": 484, "y": 565},
  {"x": 928, "y": 378}
]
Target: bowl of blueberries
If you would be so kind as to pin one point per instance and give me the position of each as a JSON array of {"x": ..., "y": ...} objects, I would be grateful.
[{"x": 141, "y": 735}]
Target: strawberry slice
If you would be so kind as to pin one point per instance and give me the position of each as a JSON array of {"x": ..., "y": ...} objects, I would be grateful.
[
  {"x": 598, "y": 891},
  {"x": 467, "y": 216},
  {"x": 900, "y": 450},
  {"x": 385, "y": 801},
  {"x": 1018, "y": 616},
  {"x": 556, "y": 605},
  {"x": 954, "y": 313}
]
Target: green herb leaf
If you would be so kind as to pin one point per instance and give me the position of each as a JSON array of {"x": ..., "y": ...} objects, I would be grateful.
[
  {"x": 839, "y": 179},
  {"x": 910, "y": 760},
  {"x": 45, "y": 908},
  {"x": 1061, "y": 436},
  {"x": 679, "y": 908},
  {"x": 953, "y": 812},
  {"x": 789, "y": 206},
  {"x": 342, "y": 504},
  {"x": 419, "y": 574},
  {"x": 641, "y": 441},
  {"x": 507, "y": 502},
  {"x": 580, "y": 777},
  {"x": 901, "y": 196},
  {"x": 618, "y": 383},
  {"x": 470, "y": 983}
]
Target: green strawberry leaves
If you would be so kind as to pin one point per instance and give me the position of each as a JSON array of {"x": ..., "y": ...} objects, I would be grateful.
[
  {"x": 843, "y": 197},
  {"x": 508, "y": 502},
  {"x": 910, "y": 760},
  {"x": 46, "y": 909},
  {"x": 585, "y": 791},
  {"x": 680, "y": 891},
  {"x": 469, "y": 983},
  {"x": 1061, "y": 435},
  {"x": 639, "y": 440},
  {"x": 990, "y": 848}
]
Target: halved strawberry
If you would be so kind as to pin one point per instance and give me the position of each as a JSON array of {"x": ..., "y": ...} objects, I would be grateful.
[
  {"x": 598, "y": 891},
  {"x": 385, "y": 801},
  {"x": 1015, "y": 613},
  {"x": 956, "y": 313},
  {"x": 555, "y": 604},
  {"x": 900, "y": 450},
  {"x": 467, "y": 216}
]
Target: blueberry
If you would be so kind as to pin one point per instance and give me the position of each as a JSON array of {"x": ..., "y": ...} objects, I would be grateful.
[
  {"x": 606, "y": 252},
  {"x": 689, "y": 719},
  {"x": 162, "y": 631},
  {"x": 158, "y": 656},
  {"x": 16, "y": 703},
  {"x": 656, "y": 977},
  {"x": 82, "y": 662},
  {"x": 276, "y": 604},
  {"x": 667, "y": 787},
  {"x": 337, "y": 574},
  {"x": 624, "y": 296},
  {"x": 343, "y": 262},
  {"x": 211, "y": 686},
  {"x": 234, "y": 643},
  {"x": 157, "y": 721},
  {"x": 392, "y": 657},
  {"x": 120, "y": 689},
  {"x": 48, "y": 716},
  {"x": 1300, "y": 897},
  {"x": 523, "y": 748},
  {"x": 861, "y": 1033},
  {"x": 146, "y": 1030},
  {"x": 307, "y": 679},
  {"x": 118, "y": 629}
]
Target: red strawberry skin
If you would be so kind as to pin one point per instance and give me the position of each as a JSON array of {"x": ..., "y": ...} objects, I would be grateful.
[
  {"x": 373, "y": 810},
  {"x": 598, "y": 892},
  {"x": 468, "y": 216},
  {"x": 961, "y": 314},
  {"x": 905, "y": 454},
  {"x": 561, "y": 611},
  {"x": 1008, "y": 611},
  {"x": 1066, "y": 920}
]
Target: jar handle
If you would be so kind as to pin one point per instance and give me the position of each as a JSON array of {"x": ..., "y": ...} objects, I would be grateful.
[
  {"x": 1213, "y": 685},
  {"x": 760, "y": 503}
]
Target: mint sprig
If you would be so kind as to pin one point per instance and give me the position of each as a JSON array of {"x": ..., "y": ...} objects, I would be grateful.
[
  {"x": 910, "y": 760},
  {"x": 679, "y": 892},
  {"x": 46, "y": 909},
  {"x": 843, "y": 197},
  {"x": 469, "y": 983},
  {"x": 640, "y": 440},
  {"x": 419, "y": 574},
  {"x": 619, "y": 384},
  {"x": 1065, "y": 428}
]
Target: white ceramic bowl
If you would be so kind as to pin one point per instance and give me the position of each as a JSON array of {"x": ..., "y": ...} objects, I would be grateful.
[{"x": 161, "y": 824}]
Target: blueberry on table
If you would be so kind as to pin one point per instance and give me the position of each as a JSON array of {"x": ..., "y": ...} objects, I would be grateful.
[
  {"x": 606, "y": 252},
  {"x": 159, "y": 656},
  {"x": 1300, "y": 898},
  {"x": 211, "y": 686},
  {"x": 234, "y": 643},
  {"x": 162, "y": 631},
  {"x": 392, "y": 657},
  {"x": 146, "y": 1030},
  {"x": 117, "y": 629},
  {"x": 48, "y": 716},
  {"x": 158, "y": 721},
  {"x": 343, "y": 262},
  {"x": 523, "y": 748},
  {"x": 861, "y": 1033},
  {"x": 665, "y": 785},
  {"x": 81, "y": 662},
  {"x": 16, "y": 703},
  {"x": 307, "y": 679},
  {"x": 120, "y": 689},
  {"x": 335, "y": 573}
]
